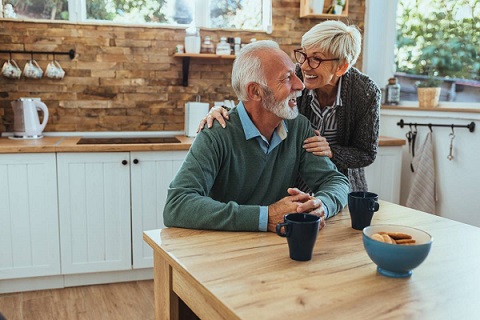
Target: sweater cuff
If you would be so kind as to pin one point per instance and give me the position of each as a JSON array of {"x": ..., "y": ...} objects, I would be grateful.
[{"x": 263, "y": 218}]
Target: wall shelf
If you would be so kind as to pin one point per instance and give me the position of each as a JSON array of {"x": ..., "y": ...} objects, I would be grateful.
[
  {"x": 186, "y": 61},
  {"x": 307, "y": 12}
]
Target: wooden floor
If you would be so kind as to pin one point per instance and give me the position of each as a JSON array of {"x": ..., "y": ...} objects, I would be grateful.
[{"x": 116, "y": 301}]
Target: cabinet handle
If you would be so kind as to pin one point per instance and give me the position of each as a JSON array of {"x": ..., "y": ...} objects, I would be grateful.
[
  {"x": 135, "y": 161},
  {"x": 124, "y": 162}
]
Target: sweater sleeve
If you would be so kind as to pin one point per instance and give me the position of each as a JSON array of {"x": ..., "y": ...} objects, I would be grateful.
[
  {"x": 188, "y": 203},
  {"x": 363, "y": 118}
]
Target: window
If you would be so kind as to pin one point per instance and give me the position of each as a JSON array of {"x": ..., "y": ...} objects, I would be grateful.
[
  {"x": 440, "y": 38},
  {"x": 227, "y": 14}
]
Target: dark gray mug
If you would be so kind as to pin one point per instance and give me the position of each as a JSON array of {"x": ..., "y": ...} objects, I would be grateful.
[
  {"x": 362, "y": 205},
  {"x": 301, "y": 230}
]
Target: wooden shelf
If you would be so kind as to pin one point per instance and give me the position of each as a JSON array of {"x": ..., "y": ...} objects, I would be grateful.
[
  {"x": 307, "y": 12},
  {"x": 203, "y": 56},
  {"x": 186, "y": 61}
]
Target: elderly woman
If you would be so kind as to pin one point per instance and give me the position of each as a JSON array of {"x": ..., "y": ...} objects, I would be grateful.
[{"x": 342, "y": 103}]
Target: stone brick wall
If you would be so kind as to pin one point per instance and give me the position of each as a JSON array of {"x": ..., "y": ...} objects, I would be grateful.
[{"x": 125, "y": 78}]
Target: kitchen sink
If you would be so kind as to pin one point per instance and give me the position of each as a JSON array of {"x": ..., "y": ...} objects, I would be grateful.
[{"x": 135, "y": 140}]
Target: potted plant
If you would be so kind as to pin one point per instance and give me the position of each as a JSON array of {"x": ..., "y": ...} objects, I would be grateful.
[{"x": 428, "y": 92}]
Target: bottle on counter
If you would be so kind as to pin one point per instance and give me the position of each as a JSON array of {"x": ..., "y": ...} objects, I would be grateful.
[
  {"x": 207, "y": 46},
  {"x": 223, "y": 48},
  {"x": 392, "y": 92}
]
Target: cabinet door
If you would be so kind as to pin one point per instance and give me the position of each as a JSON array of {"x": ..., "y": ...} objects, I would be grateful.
[
  {"x": 94, "y": 207},
  {"x": 383, "y": 176},
  {"x": 151, "y": 177},
  {"x": 29, "y": 244}
]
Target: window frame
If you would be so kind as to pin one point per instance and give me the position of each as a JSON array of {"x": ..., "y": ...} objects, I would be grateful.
[
  {"x": 379, "y": 39},
  {"x": 78, "y": 14}
]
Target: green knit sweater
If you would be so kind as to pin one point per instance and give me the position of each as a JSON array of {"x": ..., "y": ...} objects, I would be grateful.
[{"x": 225, "y": 178}]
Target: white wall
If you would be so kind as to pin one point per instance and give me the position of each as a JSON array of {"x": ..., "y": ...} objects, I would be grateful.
[{"x": 458, "y": 181}]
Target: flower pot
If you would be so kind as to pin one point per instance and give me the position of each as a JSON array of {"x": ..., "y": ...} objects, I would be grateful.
[{"x": 428, "y": 97}]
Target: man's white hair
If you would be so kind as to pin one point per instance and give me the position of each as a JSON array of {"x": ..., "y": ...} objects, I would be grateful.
[{"x": 247, "y": 67}]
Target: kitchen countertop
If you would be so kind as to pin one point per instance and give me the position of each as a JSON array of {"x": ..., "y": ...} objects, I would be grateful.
[{"x": 69, "y": 144}]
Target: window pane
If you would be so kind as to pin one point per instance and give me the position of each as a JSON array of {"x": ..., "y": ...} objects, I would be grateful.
[
  {"x": 40, "y": 9},
  {"x": 439, "y": 35},
  {"x": 237, "y": 14},
  {"x": 441, "y": 39},
  {"x": 141, "y": 11}
]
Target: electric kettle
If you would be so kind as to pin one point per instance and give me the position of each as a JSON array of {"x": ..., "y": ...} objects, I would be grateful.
[{"x": 26, "y": 123}]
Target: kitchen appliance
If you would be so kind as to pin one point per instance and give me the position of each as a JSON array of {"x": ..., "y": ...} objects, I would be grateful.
[
  {"x": 194, "y": 113},
  {"x": 26, "y": 124}
]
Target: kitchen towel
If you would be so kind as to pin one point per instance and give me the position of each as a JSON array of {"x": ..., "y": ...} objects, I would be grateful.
[{"x": 422, "y": 192}]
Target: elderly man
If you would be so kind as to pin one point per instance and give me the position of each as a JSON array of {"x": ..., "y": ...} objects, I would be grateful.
[{"x": 239, "y": 178}]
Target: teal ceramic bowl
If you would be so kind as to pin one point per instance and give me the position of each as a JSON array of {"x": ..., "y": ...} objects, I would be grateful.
[{"x": 394, "y": 260}]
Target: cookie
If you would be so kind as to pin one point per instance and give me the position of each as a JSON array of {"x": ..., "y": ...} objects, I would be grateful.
[
  {"x": 399, "y": 235},
  {"x": 405, "y": 241},
  {"x": 387, "y": 239},
  {"x": 377, "y": 237}
]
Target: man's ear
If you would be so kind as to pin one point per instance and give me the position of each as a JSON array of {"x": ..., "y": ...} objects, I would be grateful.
[
  {"x": 341, "y": 69},
  {"x": 254, "y": 91}
]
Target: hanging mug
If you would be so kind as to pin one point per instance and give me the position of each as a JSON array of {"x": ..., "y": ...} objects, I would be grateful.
[
  {"x": 32, "y": 70},
  {"x": 11, "y": 70},
  {"x": 54, "y": 70}
]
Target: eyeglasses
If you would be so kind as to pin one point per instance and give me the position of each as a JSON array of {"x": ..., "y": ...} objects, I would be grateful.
[{"x": 313, "y": 62}]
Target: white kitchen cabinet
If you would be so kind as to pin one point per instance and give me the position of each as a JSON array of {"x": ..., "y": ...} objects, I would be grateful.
[
  {"x": 94, "y": 210},
  {"x": 152, "y": 173},
  {"x": 29, "y": 244},
  {"x": 99, "y": 194},
  {"x": 383, "y": 176}
]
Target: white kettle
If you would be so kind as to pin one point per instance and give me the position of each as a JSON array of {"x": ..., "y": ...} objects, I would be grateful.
[{"x": 26, "y": 124}]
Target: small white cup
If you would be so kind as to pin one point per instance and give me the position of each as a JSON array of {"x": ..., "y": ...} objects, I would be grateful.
[
  {"x": 32, "y": 70},
  {"x": 54, "y": 71},
  {"x": 11, "y": 70}
]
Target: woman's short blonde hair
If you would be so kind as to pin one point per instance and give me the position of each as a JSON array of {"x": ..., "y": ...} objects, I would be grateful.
[{"x": 335, "y": 38}]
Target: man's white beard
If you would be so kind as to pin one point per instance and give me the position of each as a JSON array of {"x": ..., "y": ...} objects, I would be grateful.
[{"x": 280, "y": 108}]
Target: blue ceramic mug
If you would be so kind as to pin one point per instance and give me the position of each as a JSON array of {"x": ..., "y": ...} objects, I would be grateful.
[{"x": 301, "y": 230}]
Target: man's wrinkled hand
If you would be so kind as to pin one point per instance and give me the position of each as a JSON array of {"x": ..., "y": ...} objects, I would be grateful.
[{"x": 279, "y": 209}]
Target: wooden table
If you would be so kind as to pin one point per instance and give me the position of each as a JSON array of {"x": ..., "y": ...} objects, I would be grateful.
[{"x": 248, "y": 275}]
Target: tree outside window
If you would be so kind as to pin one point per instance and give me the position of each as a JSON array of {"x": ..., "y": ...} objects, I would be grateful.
[{"x": 440, "y": 38}]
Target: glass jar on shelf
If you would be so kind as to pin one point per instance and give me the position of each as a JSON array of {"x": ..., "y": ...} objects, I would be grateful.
[
  {"x": 207, "y": 46},
  {"x": 223, "y": 48},
  {"x": 392, "y": 92}
]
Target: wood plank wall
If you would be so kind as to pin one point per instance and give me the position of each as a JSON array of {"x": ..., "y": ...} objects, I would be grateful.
[{"x": 126, "y": 78}]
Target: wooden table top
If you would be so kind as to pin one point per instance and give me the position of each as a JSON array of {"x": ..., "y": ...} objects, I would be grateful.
[{"x": 249, "y": 275}]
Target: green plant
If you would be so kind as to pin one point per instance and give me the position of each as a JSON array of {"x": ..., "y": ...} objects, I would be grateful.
[
  {"x": 430, "y": 82},
  {"x": 439, "y": 34}
]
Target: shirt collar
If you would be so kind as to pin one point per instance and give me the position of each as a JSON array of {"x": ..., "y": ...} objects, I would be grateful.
[{"x": 251, "y": 130}]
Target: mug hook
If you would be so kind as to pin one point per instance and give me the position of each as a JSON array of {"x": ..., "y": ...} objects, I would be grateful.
[{"x": 31, "y": 55}]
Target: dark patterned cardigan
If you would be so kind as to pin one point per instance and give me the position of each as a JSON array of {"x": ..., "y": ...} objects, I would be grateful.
[{"x": 358, "y": 125}]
